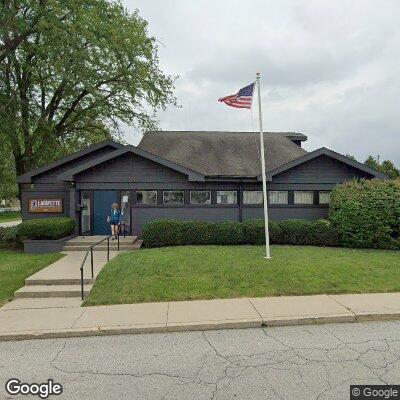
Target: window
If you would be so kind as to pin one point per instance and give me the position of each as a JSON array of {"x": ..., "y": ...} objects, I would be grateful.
[
  {"x": 227, "y": 197},
  {"x": 146, "y": 197},
  {"x": 303, "y": 197},
  {"x": 252, "y": 197},
  {"x": 173, "y": 197},
  {"x": 324, "y": 197},
  {"x": 200, "y": 197},
  {"x": 278, "y": 197}
]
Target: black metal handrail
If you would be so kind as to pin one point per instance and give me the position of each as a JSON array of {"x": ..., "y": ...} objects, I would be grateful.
[{"x": 90, "y": 249}]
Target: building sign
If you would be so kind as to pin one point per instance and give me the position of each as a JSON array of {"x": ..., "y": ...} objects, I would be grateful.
[{"x": 45, "y": 205}]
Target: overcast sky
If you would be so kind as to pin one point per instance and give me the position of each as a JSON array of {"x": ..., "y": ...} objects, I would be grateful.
[{"x": 330, "y": 69}]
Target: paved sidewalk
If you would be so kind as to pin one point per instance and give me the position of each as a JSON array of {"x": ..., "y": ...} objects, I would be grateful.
[
  {"x": 10, "y": 223},
  {"x": 46, "y": 319}
]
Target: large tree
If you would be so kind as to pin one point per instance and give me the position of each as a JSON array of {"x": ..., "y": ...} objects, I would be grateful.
[
  {"x": 70, "y": 72},
  {"x": 386, "y": 167},
  {"x": 8, "y": 186}
]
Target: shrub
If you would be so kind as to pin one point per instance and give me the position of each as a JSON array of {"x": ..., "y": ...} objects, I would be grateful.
[
  {"x": 9, "y": 236},
  {"x": 254, "y": 232},
  {"x": 296, "y": 232},
  {"x": 325, "y": 234},
  {"x": 366, "y": 213},
  {"x": 197, "y": 232},
  {"x": 46, "y": 228},
  {"x": 226, "y": 233},
  {"x": 160, "y": 233},
  {"x": 163, "y": 232}
]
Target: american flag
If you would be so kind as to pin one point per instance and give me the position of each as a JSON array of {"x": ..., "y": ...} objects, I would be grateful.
[{"x": 242, "y": 99}]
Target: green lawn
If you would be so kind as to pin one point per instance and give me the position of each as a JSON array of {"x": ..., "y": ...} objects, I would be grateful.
[
  {"x": 9, "y": 216},
  {"x": 205, "y": 272},
  {"x": 15, "y": 266}
]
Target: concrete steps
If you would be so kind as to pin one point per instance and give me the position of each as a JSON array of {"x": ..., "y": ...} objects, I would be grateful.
[
  {"x": 101, "y": 248},
  {"x": 59, "y": 281},
  {"x": 128, "y": 243},
  {"x": 35, "y": 291}
]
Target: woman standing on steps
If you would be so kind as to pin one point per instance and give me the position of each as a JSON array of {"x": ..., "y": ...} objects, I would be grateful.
[{"x": 114, "y": 218}]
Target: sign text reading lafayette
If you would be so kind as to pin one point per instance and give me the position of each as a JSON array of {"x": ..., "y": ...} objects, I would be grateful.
[{"x": 45, "y": 205}]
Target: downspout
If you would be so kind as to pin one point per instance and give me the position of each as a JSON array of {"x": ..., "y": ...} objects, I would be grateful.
[{"x": 241, "y": 201}]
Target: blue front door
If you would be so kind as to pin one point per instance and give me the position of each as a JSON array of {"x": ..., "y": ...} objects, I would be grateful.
[{"x": 102, "y": 200}]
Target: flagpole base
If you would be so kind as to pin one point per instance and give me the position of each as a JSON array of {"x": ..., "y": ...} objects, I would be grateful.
[{"x": 267, "y": 258}]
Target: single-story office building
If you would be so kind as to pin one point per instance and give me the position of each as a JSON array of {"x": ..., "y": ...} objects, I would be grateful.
[{"x": 213, "y": 176}]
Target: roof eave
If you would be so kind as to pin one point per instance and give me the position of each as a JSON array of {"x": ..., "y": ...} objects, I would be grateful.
[
  {"x": 68, "y": 176},
  {"x": 27, "y": 177},
  {"x": 327, "y": 152},
  {"x": 236, "y": 178}
]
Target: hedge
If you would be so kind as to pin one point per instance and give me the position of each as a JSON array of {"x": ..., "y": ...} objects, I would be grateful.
[
  {"x": 159, "y": 233},
  {"x": 9, "y": 237},
  {"x": 46, "y": 228},
  {"x": 366, "y": 213}
]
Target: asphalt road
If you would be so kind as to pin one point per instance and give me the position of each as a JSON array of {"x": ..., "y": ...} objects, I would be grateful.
[{"x": 308, "y": 362}]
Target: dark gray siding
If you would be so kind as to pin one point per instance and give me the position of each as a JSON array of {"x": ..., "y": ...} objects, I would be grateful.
[
  {"x": 320, "y": 170},
  {"x": 161, "y": 185},
  {"x": 284, "y": 213},
  {"x": 46, "y": 186},
  {"x": 44, "y": 193},
  {"x": 129, "y": 168},
  {"x": 50, "y": 176}
]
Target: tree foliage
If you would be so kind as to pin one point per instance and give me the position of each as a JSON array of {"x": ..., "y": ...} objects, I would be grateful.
[
  {"x": 71, "y": 72},
  {"x": 8, "y": 186},
  {"x": 386, "y": 167},
  {"x": 366, "y": 213}
]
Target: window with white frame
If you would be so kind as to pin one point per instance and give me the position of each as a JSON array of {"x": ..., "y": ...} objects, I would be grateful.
[
  {"x": 173, "y": 197},
  {"x": 226, "y": 197},
  {"x": 324, "y": 197},
  {"x": 303, "y": 197},
  {"x": 278, "y": 197},
  {"x": 252, "y": 197},
  {"x": 146, "y": 197},
  {"x": 200, "y": 197}
]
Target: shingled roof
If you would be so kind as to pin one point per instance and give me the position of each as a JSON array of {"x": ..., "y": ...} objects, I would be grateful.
[{"x": 223, "y": 153}]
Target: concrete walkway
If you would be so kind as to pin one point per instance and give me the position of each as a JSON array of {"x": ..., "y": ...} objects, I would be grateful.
[
  {"x": 67, "y": 268},
  {"x": 62, "y": 278},
  {"x": 10, "y": 223},
  {"x": 42, "y": 318}
]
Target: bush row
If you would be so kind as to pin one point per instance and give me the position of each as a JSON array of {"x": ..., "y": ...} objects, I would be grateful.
[
  {"x": 46, "y": 228},
  {"x": 9, "y": 236},
  {"x": 159, "y": 233},
  {"x": 366, "y": 213}
]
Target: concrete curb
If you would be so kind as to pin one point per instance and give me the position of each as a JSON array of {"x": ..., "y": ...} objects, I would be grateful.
[
  {"x": 126, "y": 330},
  {"x": 192, "y": 326},
  {"x": 310, "y": 320}
]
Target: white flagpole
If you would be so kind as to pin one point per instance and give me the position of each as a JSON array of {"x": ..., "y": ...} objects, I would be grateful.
[{"x": 267, "y": 251}]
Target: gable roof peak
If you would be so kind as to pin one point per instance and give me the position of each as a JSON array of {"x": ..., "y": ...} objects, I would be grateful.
[{"x": 27, "y": 177}]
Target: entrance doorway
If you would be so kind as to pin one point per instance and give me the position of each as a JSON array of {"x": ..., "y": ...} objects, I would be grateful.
[
  {"x": 125, "y": 205},
  {"x": 102, "y": 200}
]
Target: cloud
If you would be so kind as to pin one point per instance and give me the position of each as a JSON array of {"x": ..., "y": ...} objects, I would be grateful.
[{"x": 329, "y": 69}]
